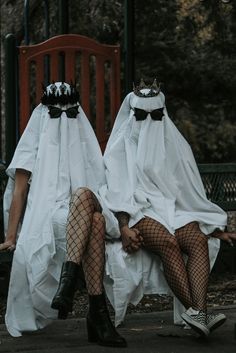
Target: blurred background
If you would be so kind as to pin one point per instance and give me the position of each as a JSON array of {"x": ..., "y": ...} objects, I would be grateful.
[{"x": 188, "y": 45}]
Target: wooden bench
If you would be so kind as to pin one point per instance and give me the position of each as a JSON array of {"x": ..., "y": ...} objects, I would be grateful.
[{"x": 220, "y": 185}]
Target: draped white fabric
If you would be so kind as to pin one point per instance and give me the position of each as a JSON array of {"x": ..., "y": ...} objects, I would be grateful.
[
  {"x": 62, "y": 154},
  {"x": 151, "y": 171}
]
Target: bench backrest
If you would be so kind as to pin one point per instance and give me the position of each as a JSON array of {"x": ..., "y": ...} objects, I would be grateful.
[{"x": 68, "y": 58}]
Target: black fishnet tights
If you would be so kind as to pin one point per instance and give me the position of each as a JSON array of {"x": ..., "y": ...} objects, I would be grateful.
[
  {"x": 194, "y": 243},
  {"x": 85, "y": 238},
  {"x": 187, "y": 281}
]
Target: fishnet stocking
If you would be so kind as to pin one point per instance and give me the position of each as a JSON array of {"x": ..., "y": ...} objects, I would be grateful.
[
  {"x": 188, "y": 282},
  {"x": 194, "y": 243},
  {"x": 85, "y": 238},
  {"x": 158, "y": 240}
]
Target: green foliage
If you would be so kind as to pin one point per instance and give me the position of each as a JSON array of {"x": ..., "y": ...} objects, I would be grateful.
[
  {"x": 97, "y": 19},
  {"x": 189, "y": 46}
]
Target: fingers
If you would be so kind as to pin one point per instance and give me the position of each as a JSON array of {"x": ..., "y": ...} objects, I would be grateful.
[
  {"x": 7, "y": 246},
  {"x": 136, "y": 231},
  {"x": 3, "y": 246},
  {"x": 132, "y": 247},
  {"x": 132, "y": 240},
  {"x": 230, "y": 239},
  {"x": 136, "y": 243},
  {"x": 137, "y": 237},
  {"x": 232, "y": 235}
]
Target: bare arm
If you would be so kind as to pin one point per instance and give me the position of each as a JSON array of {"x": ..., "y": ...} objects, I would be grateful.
[
  {"x": 17, "y": 206},
  {"x": 131, "y": 239}
]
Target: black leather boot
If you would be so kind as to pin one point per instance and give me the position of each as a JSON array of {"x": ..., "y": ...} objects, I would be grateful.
[
  {"x": 63, "y": 299},
  {"x": 99, "y": 325}
]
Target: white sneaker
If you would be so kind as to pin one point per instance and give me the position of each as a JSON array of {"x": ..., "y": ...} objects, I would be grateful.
[
  {"x": 215, "y": 320},
  {"x": 196, "y": 319}
]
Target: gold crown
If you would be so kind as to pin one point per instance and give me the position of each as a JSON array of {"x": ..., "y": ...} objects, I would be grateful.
[{"x": 154, "y": 89}]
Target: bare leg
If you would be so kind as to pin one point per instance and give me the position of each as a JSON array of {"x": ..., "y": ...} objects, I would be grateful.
[{"x": 158, "y": 240}]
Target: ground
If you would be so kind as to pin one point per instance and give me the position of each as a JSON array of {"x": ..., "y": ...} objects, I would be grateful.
[{"x": 222, "y": 291}]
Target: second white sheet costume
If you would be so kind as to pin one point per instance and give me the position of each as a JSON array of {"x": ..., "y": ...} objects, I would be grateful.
[{"x": 151, "y": 171}]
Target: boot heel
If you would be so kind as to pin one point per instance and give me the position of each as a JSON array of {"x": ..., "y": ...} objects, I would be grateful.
[
  {"x": 63, "y": 299},
  {"x": 92, "y": 334},
  {"x": 99, "y": 325},
  {"x": 62, "y": 313},
  {"x": 61, "y": 304}
]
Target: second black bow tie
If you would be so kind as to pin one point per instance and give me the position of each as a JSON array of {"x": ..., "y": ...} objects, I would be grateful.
[{"x": 141, "y": 114}]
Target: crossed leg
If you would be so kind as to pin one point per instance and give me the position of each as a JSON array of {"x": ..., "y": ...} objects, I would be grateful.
[
  {"x": 85, "y": 238},
  {"x": 86, "y": 245}
]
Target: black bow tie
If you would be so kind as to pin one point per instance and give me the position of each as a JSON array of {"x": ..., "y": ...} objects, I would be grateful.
[
  {"x": 141, "y": 114},
  {"x": 56, "y": 112}
]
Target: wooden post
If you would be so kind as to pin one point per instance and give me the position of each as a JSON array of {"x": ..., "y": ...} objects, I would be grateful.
[
  {"x": 129, "y": 45},
  {"x": 11, "y": 95}
]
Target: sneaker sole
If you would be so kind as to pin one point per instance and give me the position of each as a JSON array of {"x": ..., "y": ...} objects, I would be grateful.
[
  {"x": 196, "y": 326},
  {"x": 216, "y": 323}
]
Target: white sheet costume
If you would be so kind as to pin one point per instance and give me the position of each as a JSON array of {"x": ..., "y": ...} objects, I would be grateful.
[
  {"x": 151, "y": 171},
  {"x": 62, "y": 154}
]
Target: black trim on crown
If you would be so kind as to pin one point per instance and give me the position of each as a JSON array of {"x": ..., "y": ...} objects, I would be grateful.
[
  {"x": 154, "y": 89},
  {"x": 62, "y": 99}
]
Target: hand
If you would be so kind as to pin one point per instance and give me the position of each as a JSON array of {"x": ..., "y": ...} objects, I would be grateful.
[
  {"x": 8, "y": 245},
  {"x": 131, "y": 239},
  {"x": 226, "y": 236}
]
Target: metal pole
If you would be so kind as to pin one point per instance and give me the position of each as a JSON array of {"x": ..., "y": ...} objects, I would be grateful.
[
  {"x": 10, "y": 91},
  {"x": 63, "y": 17},
  {"x": 46, "y": 12},
  {"x": 46, "y": 58},
  {"x": 129, "y": 44},
  {"x": 63, "y": 29},
  {"x": 26, "y": 21}
]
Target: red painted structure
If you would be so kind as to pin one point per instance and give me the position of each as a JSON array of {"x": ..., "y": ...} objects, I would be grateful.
[{"x": 102, "y": 59}]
